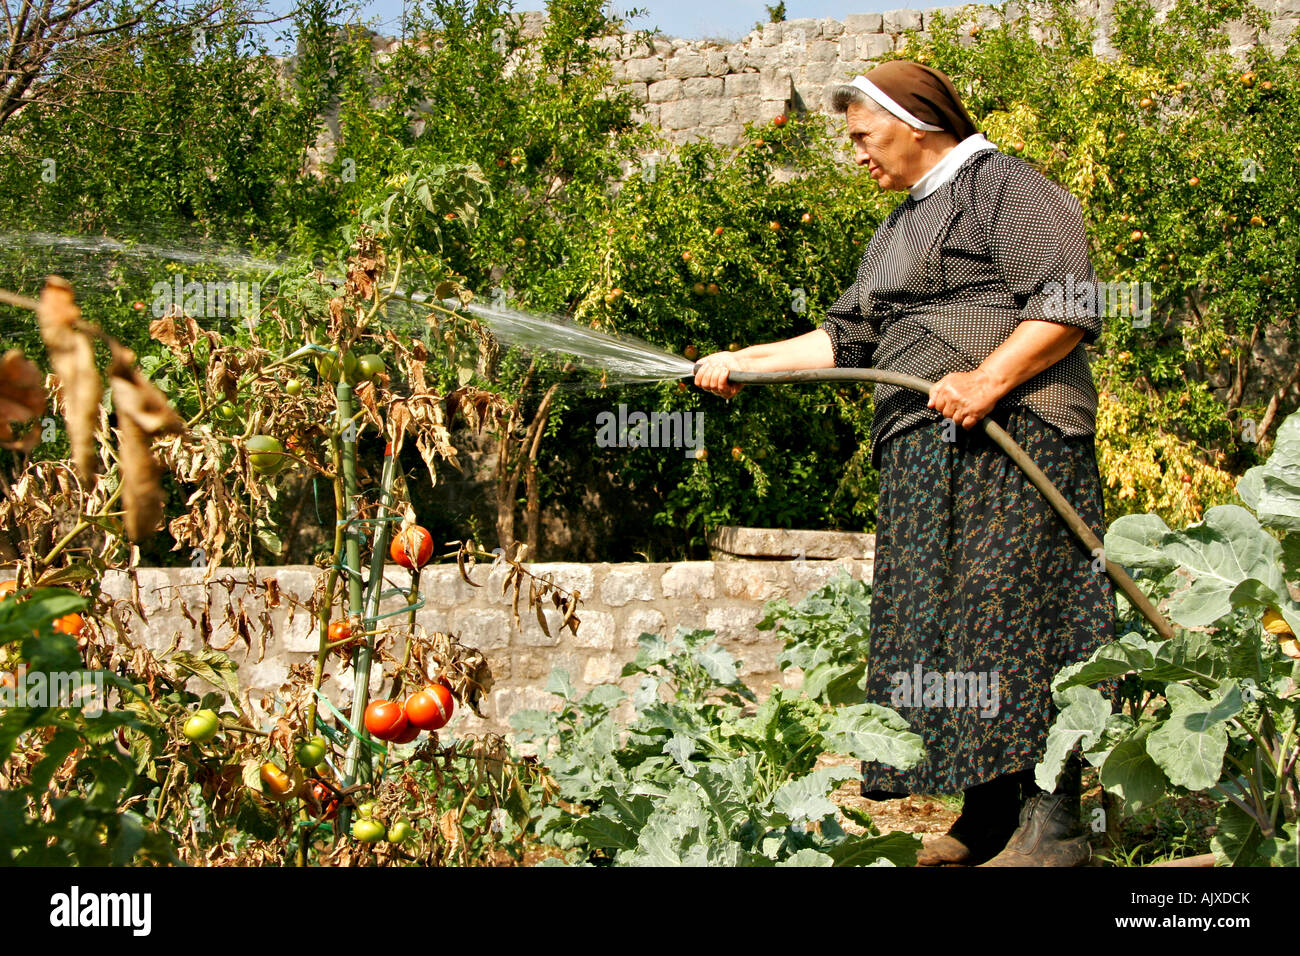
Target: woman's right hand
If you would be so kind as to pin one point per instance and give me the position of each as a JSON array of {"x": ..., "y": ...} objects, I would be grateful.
[{"x": 711, "y": 373}]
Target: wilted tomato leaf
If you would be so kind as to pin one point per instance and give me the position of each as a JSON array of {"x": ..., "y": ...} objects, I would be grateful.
[
  {"x": 73, "y": 360},
  {"x": 142, "y": 413},
  {"x": 22, "y": 399}
]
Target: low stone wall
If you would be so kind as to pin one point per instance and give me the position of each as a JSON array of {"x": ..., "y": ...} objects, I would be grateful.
[{"x": 618, "y": 603}]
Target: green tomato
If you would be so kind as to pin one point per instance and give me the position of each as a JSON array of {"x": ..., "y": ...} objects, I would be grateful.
[
  {"x": 399, "y": 832},
  {"x": 328, "y": 366},
  {"x": 202, "y": 726},
  {"x": 293, "y": 386},
  {"x": 367, "y": 830},
  {"x": 366, "y": 809},
  {"x": 371, "y": 366},
  {"x": 265, "y": 454},
  {"x": 312, "y": 752},
  {"x": 226, "y": 411}
]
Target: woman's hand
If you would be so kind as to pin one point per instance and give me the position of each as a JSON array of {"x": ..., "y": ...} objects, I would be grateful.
[
  {"x": 965, "y": 397},
  {"x": 712, "y": 373}
]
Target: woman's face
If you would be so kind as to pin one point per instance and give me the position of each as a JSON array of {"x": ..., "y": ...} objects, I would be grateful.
[{"x": 885, "y": 145}]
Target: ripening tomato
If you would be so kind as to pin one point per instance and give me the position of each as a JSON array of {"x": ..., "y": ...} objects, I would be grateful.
[
  {"x": 385, "y": 719},
  {"x": 277, "y": 785},
  {"x": 339, "y": 631},
  {"x": 312, "y": 752},
  {"x": 430, "y": 708},
  {"x": 412, "y": 547},
  {"x": 69, "y": 624}
]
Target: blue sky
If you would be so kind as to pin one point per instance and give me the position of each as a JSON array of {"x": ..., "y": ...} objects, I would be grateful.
[{"x": 692, "y": 19}]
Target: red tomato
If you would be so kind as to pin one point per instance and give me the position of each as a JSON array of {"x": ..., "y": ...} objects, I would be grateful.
[
  {"x": 430, "y": 708},
  {"x": 385, "y": 719},
  {"x": 329, "y": 804},
  {"x": 7, "y": 588},
  {"x": 412, "y": 547},
  {"x": 340, "y": 631},
  {"x": 407, "y": 735}
]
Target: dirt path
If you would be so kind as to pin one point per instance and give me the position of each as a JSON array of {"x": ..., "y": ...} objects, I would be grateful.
[{"x": 915, "y": 814}]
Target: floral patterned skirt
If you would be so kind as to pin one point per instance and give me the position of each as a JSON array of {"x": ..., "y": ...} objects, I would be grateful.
[{"x": 980, "y": 595}]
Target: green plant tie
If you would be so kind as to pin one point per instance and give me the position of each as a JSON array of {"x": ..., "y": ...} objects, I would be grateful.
[{"x": 333, "y": 734}]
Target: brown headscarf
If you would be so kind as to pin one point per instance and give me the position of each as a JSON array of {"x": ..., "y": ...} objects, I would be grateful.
[{"x": 921, "y": 92}]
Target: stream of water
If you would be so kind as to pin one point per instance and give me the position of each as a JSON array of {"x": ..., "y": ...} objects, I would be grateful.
[{"x": 621, "y": 357}]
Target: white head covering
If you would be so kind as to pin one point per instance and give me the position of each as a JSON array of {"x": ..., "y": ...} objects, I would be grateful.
[{"x": 889, "y": 103}]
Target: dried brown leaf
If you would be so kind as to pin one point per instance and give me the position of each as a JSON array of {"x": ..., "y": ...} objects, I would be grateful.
[
  {"x": 460, "y": 563},
  {"x": 22, "y": 398},
  {"x": 142, "y": 413},
  {"x": 73, "y": 360}
]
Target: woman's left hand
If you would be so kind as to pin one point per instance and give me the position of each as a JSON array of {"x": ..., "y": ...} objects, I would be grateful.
[{"x": 965, "y": 397}]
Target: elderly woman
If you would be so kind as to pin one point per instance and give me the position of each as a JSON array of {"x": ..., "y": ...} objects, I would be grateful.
[{"x": 977, "y": 582}]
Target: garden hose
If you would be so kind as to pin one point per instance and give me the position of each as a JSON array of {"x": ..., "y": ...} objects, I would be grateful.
[{"x": 999, "y": 436}]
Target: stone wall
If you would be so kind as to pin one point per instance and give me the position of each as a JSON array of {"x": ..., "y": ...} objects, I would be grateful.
[
  {"x": 694, "y": 89},
  {"x": 618, "y": 603}
]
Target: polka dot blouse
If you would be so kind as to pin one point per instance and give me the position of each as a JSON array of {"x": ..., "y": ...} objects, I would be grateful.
[{"x": 947, "y": 278}]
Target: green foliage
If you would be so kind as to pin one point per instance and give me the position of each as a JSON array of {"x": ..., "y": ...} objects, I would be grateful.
[
  {"x": 697, "y": 778},
  {"x": 827, "y": 635},
  {"x": 1214, "y": 708},
  {"x": 77, "y": 819},
  {"x": 714, "y": 248}
]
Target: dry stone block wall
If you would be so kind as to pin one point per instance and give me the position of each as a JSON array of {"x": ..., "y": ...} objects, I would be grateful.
[
  {"x": 709, "y": 89},
  {"x": 619, "y": 603},
  {"x": 696, "y": 89}
]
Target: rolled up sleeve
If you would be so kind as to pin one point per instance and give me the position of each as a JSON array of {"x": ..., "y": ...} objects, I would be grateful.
[
  {"x": 853, "y": 340},
  {"x": 1038, "y": 242}
]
